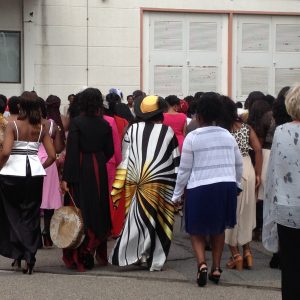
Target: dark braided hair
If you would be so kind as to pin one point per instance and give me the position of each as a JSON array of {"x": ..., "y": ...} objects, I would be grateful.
[
  {"x": 90, "y": 102},
  {"x": 30, "y": 108},
  {"x": 209, "y": 107},
  {"x": 279, "y": 110},
  {"x": 229, "y": 113},
  {"x": 52, "y": 105}
]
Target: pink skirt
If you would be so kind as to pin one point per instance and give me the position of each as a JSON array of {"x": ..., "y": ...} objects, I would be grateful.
[{"x": 52, "y": 198}]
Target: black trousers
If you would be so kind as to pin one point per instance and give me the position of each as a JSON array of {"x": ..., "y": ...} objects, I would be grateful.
[{"x": 289, "y": 244}]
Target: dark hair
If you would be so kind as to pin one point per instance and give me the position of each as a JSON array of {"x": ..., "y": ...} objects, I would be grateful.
[
  {"x": 2, "y": 106},
  {"x": 70, "y": 96},
  {"x": 156, "y": 118},
  {"x": 229, "y": 113},
  {"x": 30, "y": 108},
  {"x": 188, "y": 99},
  {"x": 74, "y": 108},
  {"x": 279, "y": 110},
  {"x": 112, "y": 99},
  {"x": 209, "y": 107},
  {"x": 256, "y": 112},
  {"x": 2, "y": 97},
  {"x": 270, "y": 99},
  {"x": 172, "y": 100},
  {"x": 252, "y": 97},
  {"x": 192, "y": 108},
  {"x": 52, "y": 105},
  {"x": 239, "y": 104},
  {"x": 138, "y": 93},
  {"x": 129, "y": 96},
  {"x": 90, "y": 102},
  {"x": 123, "y": 111},
  {"x": 198, "y": 95},
  {"x": 43, "y": 107},
  {"x": 14, "y": 105}
]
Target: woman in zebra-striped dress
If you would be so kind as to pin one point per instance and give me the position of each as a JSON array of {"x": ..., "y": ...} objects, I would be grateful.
[{"x": 146, "y": 178}]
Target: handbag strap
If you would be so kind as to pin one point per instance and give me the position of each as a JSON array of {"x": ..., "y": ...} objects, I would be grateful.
[{"x": 72, "y": 199}]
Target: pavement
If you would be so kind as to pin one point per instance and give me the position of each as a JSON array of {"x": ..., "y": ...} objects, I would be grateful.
[{"x": 51, "y": 280}]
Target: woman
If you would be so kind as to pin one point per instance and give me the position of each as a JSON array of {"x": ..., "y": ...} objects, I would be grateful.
[
  {"x": 246, "y": 203},
  {"x": 280, "y": 116},
  {"x": 146, "y": 178},
  {"x": 117, "y": 214},
  {"x": 211, "y": 192},
  {"x": 89, "y": 148},
  {"x": 282, "y": 198},
  {"x": 261, "y": 121},
  {"x": 52, "y": 198},
  {"x": 177, "y": 121},
  {"x": 113, "y": 100},
  {"x": 53, "y": 112},
  {"x": 21, "y": 183}
]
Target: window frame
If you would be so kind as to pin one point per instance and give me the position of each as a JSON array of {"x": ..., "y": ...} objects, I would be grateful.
[{"x": 20, "y": 57}]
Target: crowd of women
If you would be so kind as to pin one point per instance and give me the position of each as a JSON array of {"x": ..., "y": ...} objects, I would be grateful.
[{"x": 131, "y": 167}]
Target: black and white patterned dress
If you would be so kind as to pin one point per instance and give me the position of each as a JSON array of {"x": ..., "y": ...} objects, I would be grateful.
[{"x": 149, "y": 167}]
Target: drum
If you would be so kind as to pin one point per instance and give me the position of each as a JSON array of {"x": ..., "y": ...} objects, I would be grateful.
[{"x": 67, "y": 228}]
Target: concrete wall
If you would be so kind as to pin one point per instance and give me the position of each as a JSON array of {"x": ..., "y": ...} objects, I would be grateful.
[{"x": 96, "y": 43}]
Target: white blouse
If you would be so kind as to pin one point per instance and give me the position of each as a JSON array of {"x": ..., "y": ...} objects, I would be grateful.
[{"x": 21, "y": 150}]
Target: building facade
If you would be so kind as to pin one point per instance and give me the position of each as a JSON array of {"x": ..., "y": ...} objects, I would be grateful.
[{"x": 163, "y": 47}]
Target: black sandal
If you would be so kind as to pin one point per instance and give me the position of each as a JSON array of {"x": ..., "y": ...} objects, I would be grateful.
[
  {"x": 213, "y": 277},
  {"x": 202, "y": 274},
  {"x": 16, "y": 263}
]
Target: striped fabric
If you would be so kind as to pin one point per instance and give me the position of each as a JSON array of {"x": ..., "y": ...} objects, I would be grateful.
[
  {"x": 150, "y": 162},
  {"x": 209, "y": 155}
]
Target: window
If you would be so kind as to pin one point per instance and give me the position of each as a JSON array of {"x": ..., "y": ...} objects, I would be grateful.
[
  {"x": 185, "y": 53},
  {"x": 266, "y": 54},
  {"x": 10, "y": 57}
]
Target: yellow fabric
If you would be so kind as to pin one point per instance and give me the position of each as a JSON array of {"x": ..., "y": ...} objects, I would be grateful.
[{"x": 149, "y": 104}]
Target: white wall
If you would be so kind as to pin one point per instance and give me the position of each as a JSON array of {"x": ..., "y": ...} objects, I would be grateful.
[{"x": 110, "y": 48}]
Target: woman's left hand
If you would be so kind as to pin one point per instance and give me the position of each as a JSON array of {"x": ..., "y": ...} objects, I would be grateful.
[
  {"x": 64, "y": 187},
  {"x": 257, "y": 181}
]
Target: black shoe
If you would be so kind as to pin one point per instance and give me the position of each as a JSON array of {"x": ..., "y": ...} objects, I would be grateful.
[
  {"x": 215, "y": 277},
  {"x": 29, "y": 268},
  {"x": 47, "y": 239},
  {"x": 202, "y": 274},
  {"x": 88, "y": 261},
  {"x": 16, "y": 263},
  {"x": 275, "y": 261}
]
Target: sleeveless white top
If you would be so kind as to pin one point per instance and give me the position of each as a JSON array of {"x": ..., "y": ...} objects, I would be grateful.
[{"x": 16, "y": 163}]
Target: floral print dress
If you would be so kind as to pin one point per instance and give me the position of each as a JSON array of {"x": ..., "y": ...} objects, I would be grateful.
[{"x": 282, "y": 194}]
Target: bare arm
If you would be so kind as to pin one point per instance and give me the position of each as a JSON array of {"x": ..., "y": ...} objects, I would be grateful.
[
  {"x": 255, "y": 145},
  {"x": 7, "y": 144},
  {"x": 184, "y": 128},
  {"x": 58, "y": 142},
  {"x": 47, "y": 142}
]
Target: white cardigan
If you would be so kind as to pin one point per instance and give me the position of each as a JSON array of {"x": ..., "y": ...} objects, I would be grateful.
[{"x": 209, "y": 155}]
